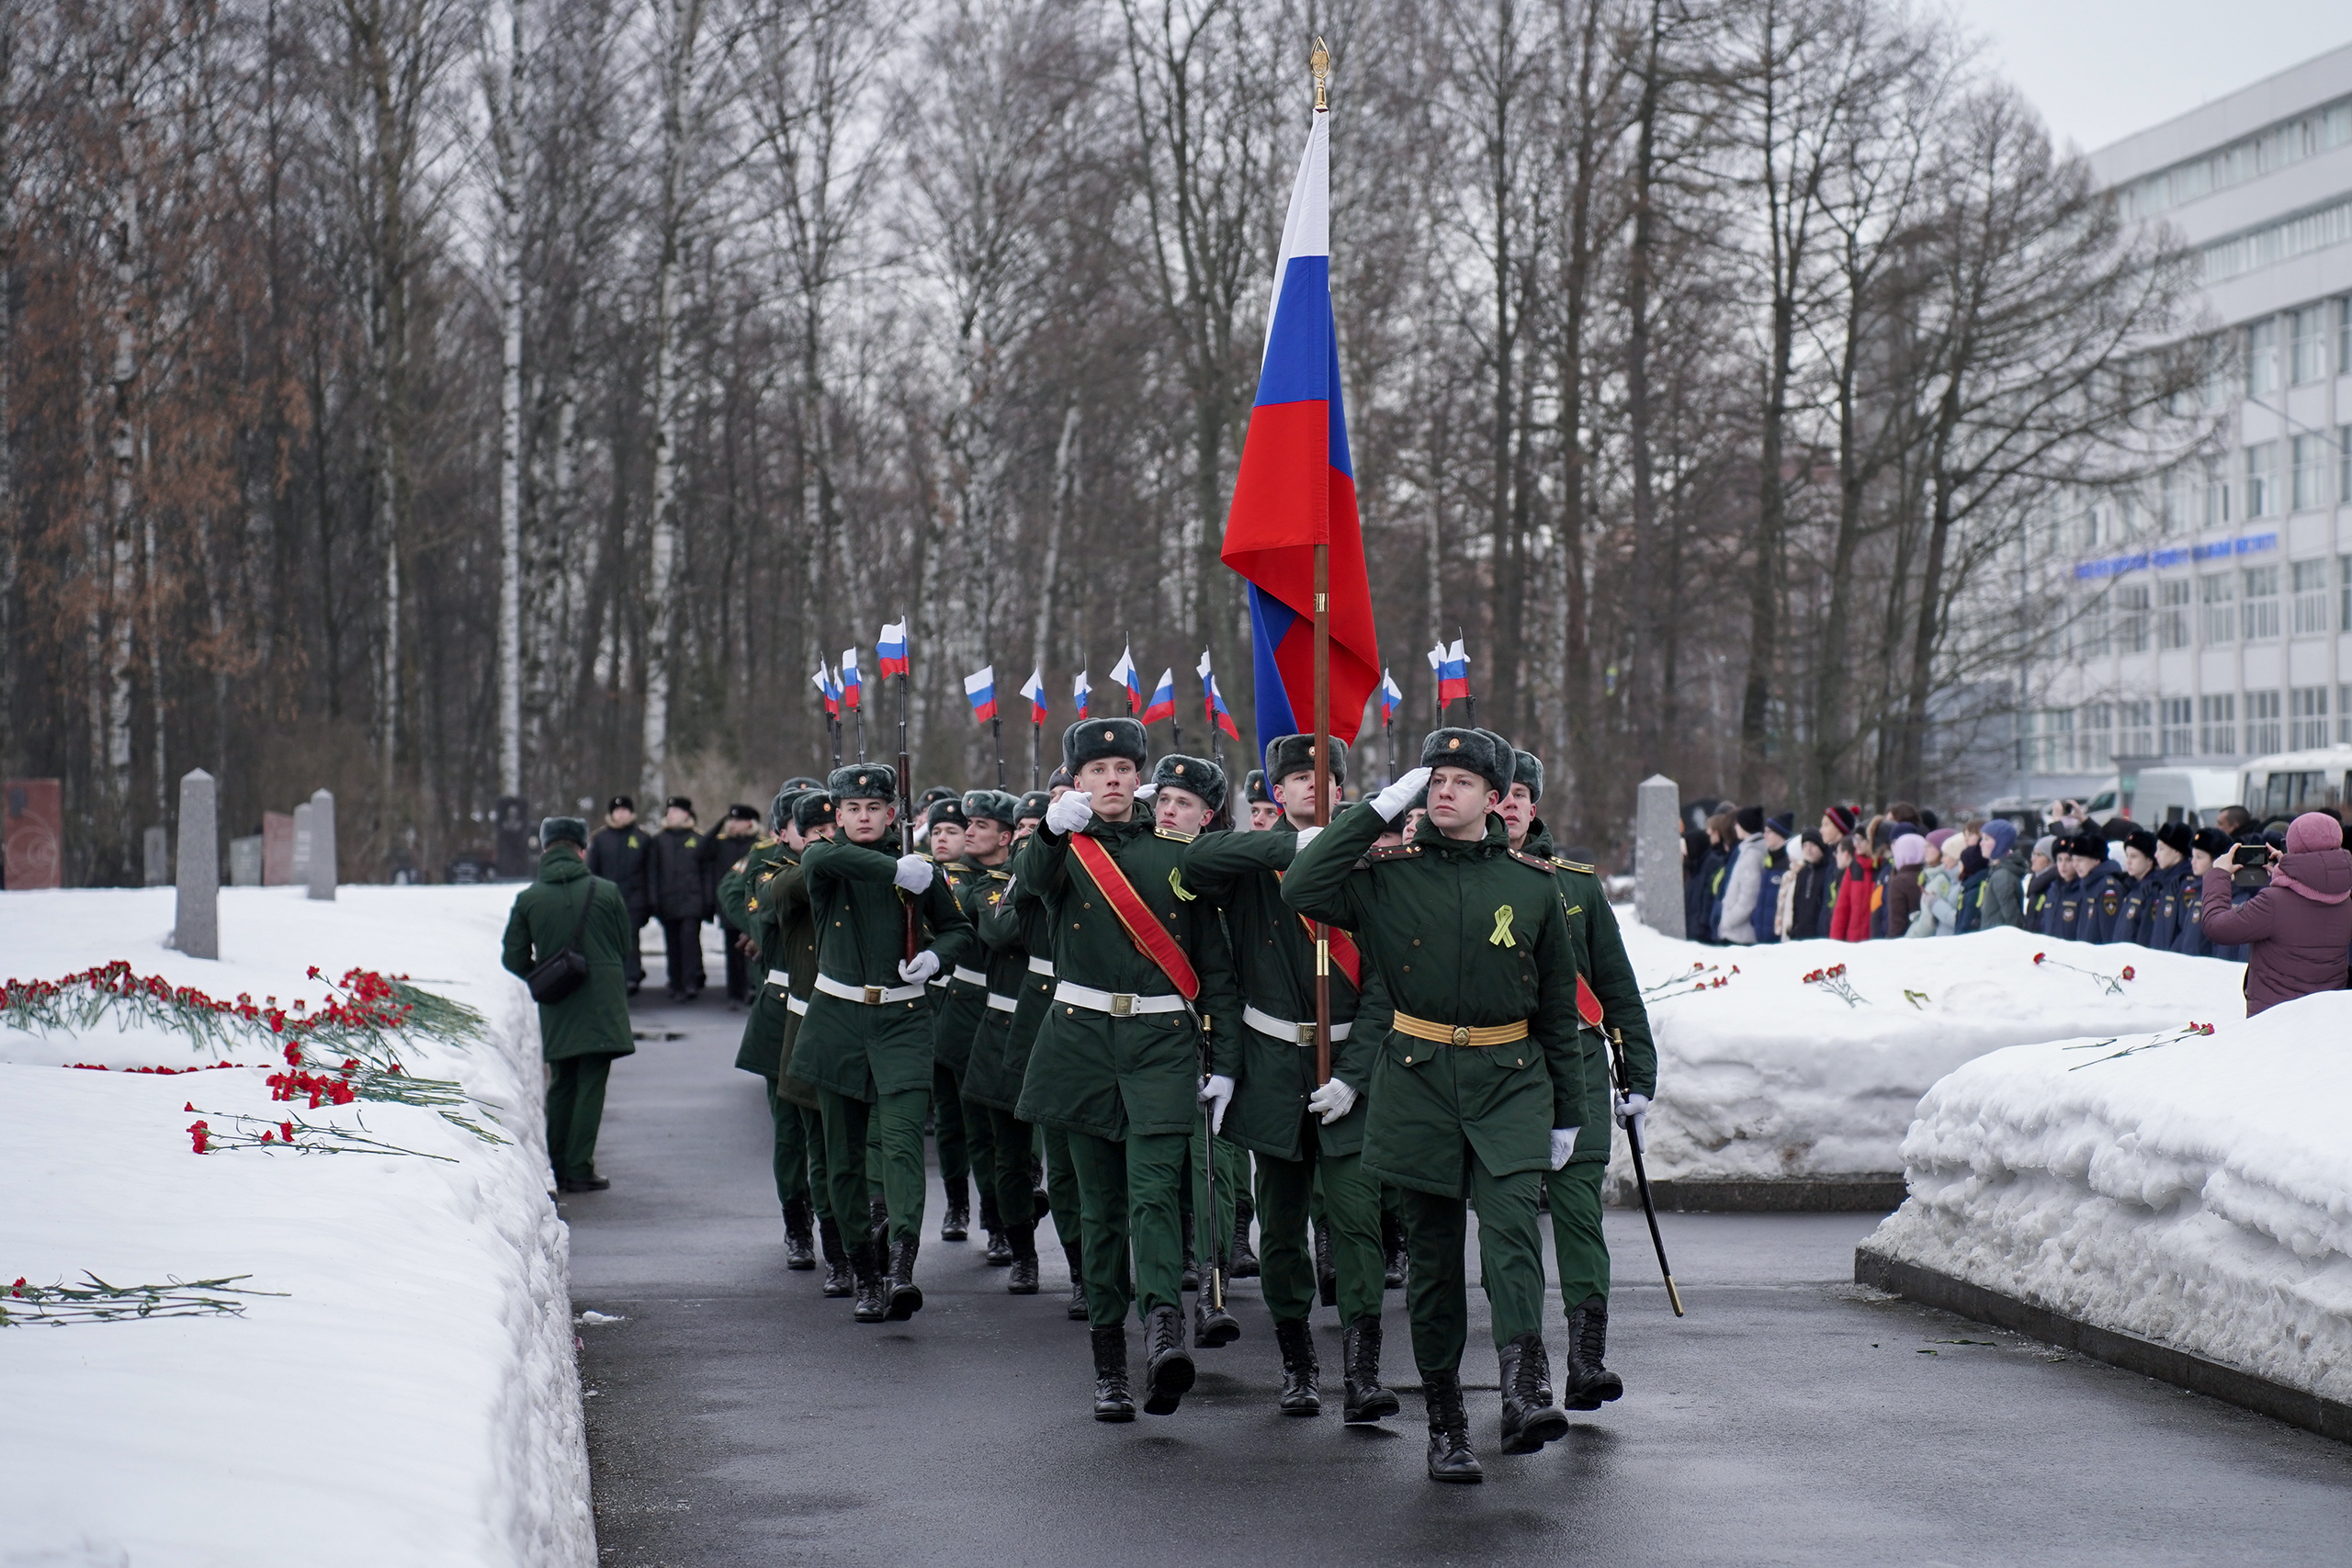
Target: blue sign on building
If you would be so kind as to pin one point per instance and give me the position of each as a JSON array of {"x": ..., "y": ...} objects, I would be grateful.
[{"x": 2116, "y": 566}]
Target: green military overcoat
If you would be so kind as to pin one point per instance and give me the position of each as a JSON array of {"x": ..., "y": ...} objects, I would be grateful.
[
  {"x": 1013, "y": 932},
  {"x": 851, "y": 1047},
  {"x": 1600, "y": 959},
  {"x": 781, "y": 920},
  {"x": 762, "y": 1050},
  {"x": 957, "y": 1003},
  {"x": 594, "y": 1020}
]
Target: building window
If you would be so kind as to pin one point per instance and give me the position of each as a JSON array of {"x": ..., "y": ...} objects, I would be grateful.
[
  {"x": 2310, "y": 598},
  {"x": 2217, "y": 493},
  {"x": 2258, "y": 619},
  {"x": 2135, "y": 723},
  {"x": 2344, "y": 576},
  {"x": 2307, "y": 717},
  {"x": 2309, "y": 358},
  {"x": 2090, "y": 628},
  {"x": 2096, "y": 737},
  {"x": 2344, "y": 332},
  {"x": 2172, "y": 502},
  {"x": 2262, "y": 722},
  {"x": 2344, "y": 716},
  {"x": 2131, "y": 618},
  {"x": 2217, "y": 725},
  {"x": 2219, "y": 593},
  {"x": 2179, "y": 740},
  {"x": 2262, "y": 478},
  {"x": 2172, "y": 612},
  {"x": 2262, "y": 356},
  {"x": 2344, "y": 462},
  {"x": 2310, "y": 478},
  {"x": 2046, "y": 741}
]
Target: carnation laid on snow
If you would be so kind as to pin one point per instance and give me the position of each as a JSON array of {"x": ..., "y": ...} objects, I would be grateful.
[
  {"x": 407, "y": 1393},
  {"x": 1788, "y": 1070},
  {"x": 2196, "y": 1192}
]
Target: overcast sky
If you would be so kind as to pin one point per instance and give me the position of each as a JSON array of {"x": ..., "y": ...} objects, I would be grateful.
[{"x": 2099, "y": 70}]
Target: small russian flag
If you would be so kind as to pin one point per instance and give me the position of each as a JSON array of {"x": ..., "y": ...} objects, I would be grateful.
[
  {"x": 1163, "y": 700},
  {"x": 823, "y": 681},
  {"x": 1080, "y": 693},
  {"x": 1451, "y": 666},
  {"x": 849, "y": 682},
  {"x": 1035, "y": 692},
  {"x": 890, "y": 650},
  {"x": 1218, "y": 717},
  {"x": 1389, "y": 695},
  {"x": 1123, "y": 672},
  {"x": 979, "y": 690}
]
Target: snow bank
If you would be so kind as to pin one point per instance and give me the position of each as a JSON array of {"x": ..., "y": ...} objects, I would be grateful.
[
  {"x": 2196, "y": 1194},
  {"x": 412, "y": 1396},
  {"x": 1766, "y": 1076}
]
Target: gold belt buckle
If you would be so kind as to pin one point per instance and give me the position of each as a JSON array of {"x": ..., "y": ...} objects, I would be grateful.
[
  {"x": 1460, "y": 1034},
  {"x": 1122, "y": 1004},
  {"x": 874, "y": 996}
]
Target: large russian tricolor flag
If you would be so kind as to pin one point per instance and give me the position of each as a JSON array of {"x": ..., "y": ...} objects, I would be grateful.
[{"x": 1295, "y": 488}]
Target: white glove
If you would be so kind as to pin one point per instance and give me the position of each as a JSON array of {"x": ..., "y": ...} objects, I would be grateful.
[
  {"x": 1147, "y": 791},
  {"x": 1332, "y": 1101},
  {"x": 1307, "y": 837},
  {"x": 914, "y": 872},
  {"x": 1074, "y": 810},
  {"x": 1217, "y": 1094},
  {"x": 1391, "y": 802},
  {"x": 921, "y": 967},
  {"x": 1631, "y": 1111},
  {"x": 1564, "y": 1144}
]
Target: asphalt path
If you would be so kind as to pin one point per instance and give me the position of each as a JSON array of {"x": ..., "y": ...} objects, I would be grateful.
[{"x": 736, "y": 1416}]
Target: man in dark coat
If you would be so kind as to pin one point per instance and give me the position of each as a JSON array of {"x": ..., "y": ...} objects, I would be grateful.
[
  {"x": 737, "y": 836},
  {"x": 682, "y": 881},
  {"x": 580, "y": 1035},
  {"x": 618, "y": 854}
]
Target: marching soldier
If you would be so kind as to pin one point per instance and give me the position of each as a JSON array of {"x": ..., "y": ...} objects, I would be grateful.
[
  {"x": 958, "y": 998},
  {"x": 992, "y": 1075},
  {"x": 1578, "y": 1246},
  {"x": 1480, "y": 1083},
  {"x": 1138, "y": 958},
  {"x": 864, "y": 1043},
  {"x": 762, "y": 1044},
  {"x": 783, "y": 904},
  {"x": 1300, "y": 1133}
]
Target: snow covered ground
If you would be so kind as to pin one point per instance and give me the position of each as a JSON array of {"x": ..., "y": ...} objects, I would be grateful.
[
  {"x": 1767, "y": 1075},
  {"x": 412, "y": 1397},
  {"x": 2198, "y": 1193}
]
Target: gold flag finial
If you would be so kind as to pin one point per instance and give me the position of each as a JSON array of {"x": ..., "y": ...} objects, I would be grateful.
[{"x": 1319, "y": 63}]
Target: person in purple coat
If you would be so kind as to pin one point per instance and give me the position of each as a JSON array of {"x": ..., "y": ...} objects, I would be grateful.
[{"x": 2298, "y": 930}]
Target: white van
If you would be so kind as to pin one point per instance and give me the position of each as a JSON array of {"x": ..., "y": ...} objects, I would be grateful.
[
  {"x": 2288, "y": 782},
  {"x": 2183, "y": 795}
]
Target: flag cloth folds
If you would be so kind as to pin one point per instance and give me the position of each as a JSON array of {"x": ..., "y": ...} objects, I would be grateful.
[
  {"x": 1123, "y": 672},
  {"x": 823, "y": 681},
  {"x": 1163, "y": 700},
  {"x": 1213, "y": 700},
  {"x": 1295, "y": 488},
  {"x": 979, "y": 690},
  {"x": 890, "y": 650},
  {"x": 1035, "y": 692},
  {"x": 849, "y": 678},
  {"x": 1390, "y": 695},
  {"x": 1080, "y": 693},
  {"x": 1451, "y": 667}
]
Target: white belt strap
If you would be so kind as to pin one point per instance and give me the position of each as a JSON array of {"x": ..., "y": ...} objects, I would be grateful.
[
  {"x": 780, "y": 979},
  {"x": 1041, "y": 966},
  {"x": 971, "y": 976},
  {"x": 796, "y": 1006},
  {"x": 1284, "y": 1030},
  {"x": 871, "y": 996},
  {"x": 1118, "y": 1004},
  {"x": 1003, "y": 1004}
]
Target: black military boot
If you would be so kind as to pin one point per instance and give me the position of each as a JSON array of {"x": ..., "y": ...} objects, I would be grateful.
[
  {"x": 1024, "y": 1279},
  {"x": 1392, "y": 1242},
  {"x": 905, "y": 1295},
  {"x": 1000, "y": 1252},
  {"x": 797, "y": 1253},
  {"x": 1040, "y": 1200},
  {"x": 1450, "y": 1455},
  {"x": 1214, "y": 1328},
  {"x": 1529, "y": 1418},
  {"x": 838, "y": 1277},
  {"x": 1366, "y": 1400},
  {"x": 1112, "y": 1401},
  {"x": 1077, "y": 1286},
  {"x": 1245, "y": 1261},
  {"x": 1192, "y": 1279},
  {"x": 956, "y": 1223},
  {"x": 1167, "y": 1366},
  {"x": 865, "y": 1263},
  {"x": 1591, "y": 1385},
  {"x": 1300, "y": 1396},
  {"x": 1327, "y": 1273}
]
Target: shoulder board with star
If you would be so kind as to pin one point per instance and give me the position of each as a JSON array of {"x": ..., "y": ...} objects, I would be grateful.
[
  {"x": 1393, "y": 851},
  {"x": 1538, "y": 861},
  {"x": 1171, "y": 833},
  {"x": 1567, "y": 864},
  {"x": 998, "y": 873},
  {"x": 767, "y": 841}
]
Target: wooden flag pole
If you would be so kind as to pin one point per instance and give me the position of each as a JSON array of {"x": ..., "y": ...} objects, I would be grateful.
[
  {"x": 1320, "y": 63},
  {"x": 996, "y": 732},
  {"x": 1037, "y": 751},
  {"x": 1469, "y": 698}
]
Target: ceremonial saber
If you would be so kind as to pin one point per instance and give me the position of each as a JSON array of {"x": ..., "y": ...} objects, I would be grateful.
[
  {"x": 1641, "y": 1175},
  {"x": 996, "y": 731}
]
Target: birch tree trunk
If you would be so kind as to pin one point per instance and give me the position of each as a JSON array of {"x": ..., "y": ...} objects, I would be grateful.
[{"x": 504, "y": 82}]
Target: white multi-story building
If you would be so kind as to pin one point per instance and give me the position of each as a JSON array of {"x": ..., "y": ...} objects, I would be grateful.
[{"x": 2214, "y": 616}]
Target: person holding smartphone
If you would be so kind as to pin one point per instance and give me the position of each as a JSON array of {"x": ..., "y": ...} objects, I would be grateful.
[{"x": 2297, "y": 928}]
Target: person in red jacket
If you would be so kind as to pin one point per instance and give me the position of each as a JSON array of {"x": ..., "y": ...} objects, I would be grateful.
[
  {"x": 1850, "y": 918},
  {"x": 2300, "y": 928}
]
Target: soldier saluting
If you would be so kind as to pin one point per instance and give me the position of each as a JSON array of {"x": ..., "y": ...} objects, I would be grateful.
[
  {"x": 865, "y": 1045},
  {"x": 1477, "y": 1088},
  {"x": 1141, "y": 969}
]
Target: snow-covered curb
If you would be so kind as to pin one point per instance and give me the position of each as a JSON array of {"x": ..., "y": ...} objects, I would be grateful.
[
  {"x": 412, "y": 1396},
  {"x": 2196, "y": 1195},
  {"x": 1767, "y": 1076}
]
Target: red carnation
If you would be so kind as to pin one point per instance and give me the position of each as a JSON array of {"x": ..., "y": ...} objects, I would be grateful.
[{"x": 2127, "y": 972}]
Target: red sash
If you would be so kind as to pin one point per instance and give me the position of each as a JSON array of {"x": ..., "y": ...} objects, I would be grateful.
[
  {"x": 1143, "y": 927},
  {"x": 1587, "y": 1005},
  {"x": 1343, "y": 948}
]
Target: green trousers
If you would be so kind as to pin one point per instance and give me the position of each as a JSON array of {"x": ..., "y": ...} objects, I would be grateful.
[
  {"x": 1511, "y": 1257},
  {"x": 1351, "y": 1210},
  {"x": 812, "y": 1140},
  {"x": 1128, "y": 1195},
  {"x": 1010, "y": 1142},
  {"x": 1061, "y": 1190},
  {"x": 1576, "y": 1240},
  {"x": 791, "y": 1149},
  {"x": 895, "y": 1123},
  {"x": 951, "y": 1127},
  {"x": 575, "y": 1114},
  {"x": 1232, "y": 1176}
]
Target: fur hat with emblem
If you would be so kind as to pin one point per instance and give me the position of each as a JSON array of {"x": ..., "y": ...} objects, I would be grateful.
[
  {"x": 812, "y": 809},
  {"x": 992, "y": 805},
  {"x": 1296, "y": 754},
  {"x": 1092, "y": 739},
  {"x": 1196, "y": 775},
  {"x": 863, "y": 781},
  {"x": 1474, "y": 750}
]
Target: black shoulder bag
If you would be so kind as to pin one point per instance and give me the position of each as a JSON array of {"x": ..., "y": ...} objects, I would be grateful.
[{"x": 564, "y": 971}]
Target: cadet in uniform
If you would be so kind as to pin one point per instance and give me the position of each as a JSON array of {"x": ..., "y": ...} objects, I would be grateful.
[
  {"x": 783, "y": 904},
  {"x": 1263, "y": 811},
  {"x": 1117, "y": 1065},
  {"x": 1302, "y": 1135},
  {"x": 992, "y": 1077},
  {"x": 865, "y": 1041},
  {"x": 958, "y": 997},
  {"x": 761, "y": 1048},
  {"x": 1035, "y": 934},
  {"x": 1480, "y": 1085}
]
